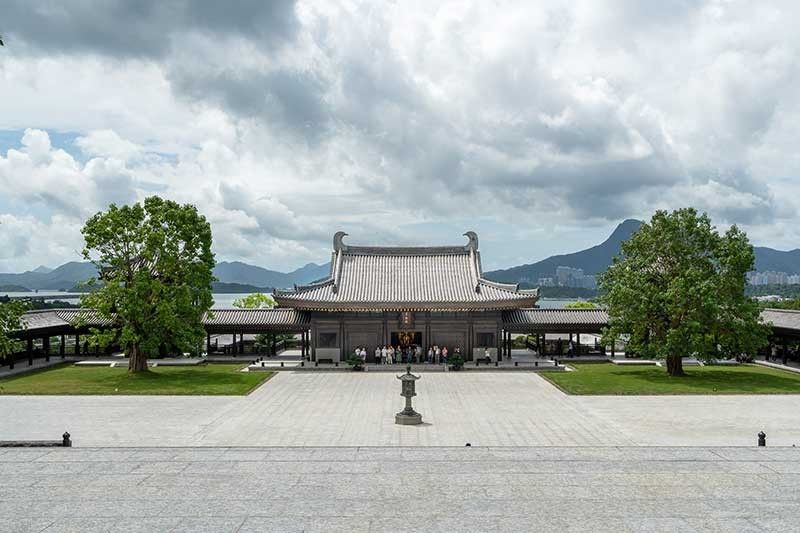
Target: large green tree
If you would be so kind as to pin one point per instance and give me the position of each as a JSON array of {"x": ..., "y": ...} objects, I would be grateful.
[
  {"x": 10, "y": 315},
  {"x": 155, "y": 266},
  {"x": 677, "y": 289}
]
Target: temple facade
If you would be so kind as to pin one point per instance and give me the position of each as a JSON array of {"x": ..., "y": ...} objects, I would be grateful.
[{"x": 407, "y": 296}]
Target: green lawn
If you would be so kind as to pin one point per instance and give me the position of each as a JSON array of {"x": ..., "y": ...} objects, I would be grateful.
[
  {"x": 607, "y": 378},
  {"x": 211, "y": 379}
]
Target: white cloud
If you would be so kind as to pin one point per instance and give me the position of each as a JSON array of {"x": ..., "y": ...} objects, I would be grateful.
[{"x": 532, "y": 117}]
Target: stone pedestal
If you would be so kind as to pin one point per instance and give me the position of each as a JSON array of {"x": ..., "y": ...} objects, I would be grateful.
[{"x": 405, "y": 419}]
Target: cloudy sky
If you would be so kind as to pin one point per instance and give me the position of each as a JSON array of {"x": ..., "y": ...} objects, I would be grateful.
[{"x": 540, "y": 125}]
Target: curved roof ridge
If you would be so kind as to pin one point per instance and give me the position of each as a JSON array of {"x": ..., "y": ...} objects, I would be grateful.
[
  {"x": 514, "y": 287},
  {"x": 308, "y": 286},
  {"x": 405, "y": 250}
]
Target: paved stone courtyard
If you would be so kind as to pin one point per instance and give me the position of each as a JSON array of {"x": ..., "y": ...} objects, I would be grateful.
[
  {"x": 357, "y": 409},
  {"x": 395, "y": 489}
]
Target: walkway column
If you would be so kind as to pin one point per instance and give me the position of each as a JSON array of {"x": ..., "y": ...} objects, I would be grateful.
[
  {"x": 46, "y": 347},
  {"x": 61, "y": 347},
  {"x": 785, "y": 349},
  {"x": 30, "y": 352},
  {"x": 208, "y": 343},
  {"x": 77, "y": 344},
  {"x": 578, "y": 343}
]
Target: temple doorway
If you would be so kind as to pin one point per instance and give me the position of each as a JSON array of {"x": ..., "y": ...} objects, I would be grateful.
[{"x": 405, "y": 339}]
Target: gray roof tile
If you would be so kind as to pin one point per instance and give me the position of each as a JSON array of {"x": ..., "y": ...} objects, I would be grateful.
[
  {"x": 256, "y": 317},
  {"x": 406, "y": 278},
  {"x": 782, "y": 318},
  {"x": 556, "y": 317}
]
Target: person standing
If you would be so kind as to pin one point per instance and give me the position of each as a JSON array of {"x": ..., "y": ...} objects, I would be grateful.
[
  {"x": 444, "y": 355},
  {"x": 378, "y": 360}
]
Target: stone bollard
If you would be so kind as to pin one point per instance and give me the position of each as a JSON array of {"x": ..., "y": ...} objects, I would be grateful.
[
  {"x": 762, "y": 438},
  {"x": 281, "y": 364},
  {"x": 496, "y": 363},
  {"x": 65, "y": 440},
  {"x": 516, "y": 363},
  {"x": 316, "y": 363},
  {"x": 302, "y": 363}
]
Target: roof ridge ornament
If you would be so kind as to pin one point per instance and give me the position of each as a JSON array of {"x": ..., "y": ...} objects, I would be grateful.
[
  {"x": 338, "y": 245},
  {"x": 473, "y": 241}
]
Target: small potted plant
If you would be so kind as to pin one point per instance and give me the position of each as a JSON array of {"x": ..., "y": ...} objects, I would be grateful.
[
  {"x": 356, "y": 363},
  {"x": 456, "y": 361}
]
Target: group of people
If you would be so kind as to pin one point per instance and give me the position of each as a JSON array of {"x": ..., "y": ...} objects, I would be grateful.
[{"x": 388, "y": 355}]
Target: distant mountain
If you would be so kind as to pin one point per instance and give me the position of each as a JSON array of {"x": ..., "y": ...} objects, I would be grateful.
[
  {"x": 776, "y": 260},
  {"x": 598, "y": 258},
  {"x": 244, "y": 274},
  {"x": 592, "y": 260},
  {"x": 236, "y": 276},
  {"x": 237, "y": 288},
  {"x": 68, "y": 275},
  {"x": 62, "y": 278}
]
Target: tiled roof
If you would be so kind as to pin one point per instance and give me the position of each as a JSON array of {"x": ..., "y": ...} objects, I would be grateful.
[
  {"x": 406, "y": 278},
  {"x": 256, "y": 318},
  {"x": 782, "y": 318},
  {"x": 221, "y": 318},
  {"x": 55, "y": 318},
  {"x": 556, "y": 318}
]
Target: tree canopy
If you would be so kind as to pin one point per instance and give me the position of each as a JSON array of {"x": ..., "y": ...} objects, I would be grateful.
[
  {"x": 583, "y": 304},
  {"x": 155, "y": 266},
  {"x": 10, "y": 314},
  {"x": 256, "y": 300},
  {"x": 677, "y": 288}
]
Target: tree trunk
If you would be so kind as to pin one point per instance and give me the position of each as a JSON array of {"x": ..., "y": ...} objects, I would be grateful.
[
  {"x": 137, "y": 361},
  {"x": 674, "y": 365}
]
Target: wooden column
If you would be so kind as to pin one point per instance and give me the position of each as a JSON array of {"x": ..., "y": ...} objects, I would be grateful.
[
  {"x": 61, "y": 347},
  {"x": 208, "y": 343},
  {"x": 46, "y": 347},
  {"x": 578, "y": 344},
  {"x": 77, "y": 349},
  {"x": 30, "y": 352}
]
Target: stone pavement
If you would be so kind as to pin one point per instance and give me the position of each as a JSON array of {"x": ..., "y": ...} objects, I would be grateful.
[
  {"x": 332, "y": 489},
  {"x": 357, "y": 409}
]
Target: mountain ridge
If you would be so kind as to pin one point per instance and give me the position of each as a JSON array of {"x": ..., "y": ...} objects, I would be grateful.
[{"x": 592, "y": 260}]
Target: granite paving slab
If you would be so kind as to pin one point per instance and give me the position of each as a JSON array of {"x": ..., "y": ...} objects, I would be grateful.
[
  {"x": 357, "y": 409},
  {"x": 377, "y": 489}
]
